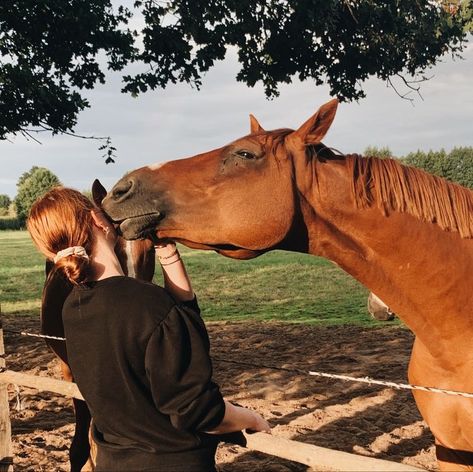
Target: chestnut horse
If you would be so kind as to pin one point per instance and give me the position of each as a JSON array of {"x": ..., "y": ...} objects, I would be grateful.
[
  {"x": 404, "y": 234},
  {"x": 137, "y": 259}
]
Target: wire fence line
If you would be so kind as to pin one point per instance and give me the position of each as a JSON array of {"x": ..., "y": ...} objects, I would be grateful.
[
  {"x": 32, "y": 335},
  {"x": 348, "y": 378},
  {"x": 311, "y": 373}
]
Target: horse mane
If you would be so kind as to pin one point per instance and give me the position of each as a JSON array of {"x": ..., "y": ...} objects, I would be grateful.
[{"x": 392, "y": 186}]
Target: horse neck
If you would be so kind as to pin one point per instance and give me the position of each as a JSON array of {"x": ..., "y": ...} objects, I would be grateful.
[{"x": 415, "y": 267}]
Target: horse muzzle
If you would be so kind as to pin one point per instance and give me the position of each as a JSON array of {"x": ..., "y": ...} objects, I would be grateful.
[{"x": 140, "y": 226}]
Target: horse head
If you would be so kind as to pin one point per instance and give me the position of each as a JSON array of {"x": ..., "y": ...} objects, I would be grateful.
[
  {"x": 240, "y": 199},
  {"x": 137, "y": 258}
]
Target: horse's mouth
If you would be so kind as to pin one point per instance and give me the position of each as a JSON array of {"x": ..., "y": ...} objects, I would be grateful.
[{"x": 139, "y": 226}]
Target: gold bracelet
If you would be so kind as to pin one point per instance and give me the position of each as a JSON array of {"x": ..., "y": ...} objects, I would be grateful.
[
  {"x": 168, "y": 257},
  {"x": 170, "y": 263}
]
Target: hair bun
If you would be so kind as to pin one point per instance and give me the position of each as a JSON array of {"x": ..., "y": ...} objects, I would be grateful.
[{"x": 74, "y": 267}]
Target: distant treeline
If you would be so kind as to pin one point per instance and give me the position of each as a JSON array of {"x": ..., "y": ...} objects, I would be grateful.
[
  {"x": 456, "y": 165},
  {"x": 10, "y": 222}
]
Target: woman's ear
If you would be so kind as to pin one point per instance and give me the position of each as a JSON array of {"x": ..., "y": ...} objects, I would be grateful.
[{"x": 99, "y": 219}]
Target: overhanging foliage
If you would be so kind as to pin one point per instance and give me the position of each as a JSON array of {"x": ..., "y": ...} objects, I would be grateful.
[{"x": 51, "y": 50}]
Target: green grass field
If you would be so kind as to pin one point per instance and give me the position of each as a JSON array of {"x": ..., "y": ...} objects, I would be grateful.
[{"x": 279, "y": 286}]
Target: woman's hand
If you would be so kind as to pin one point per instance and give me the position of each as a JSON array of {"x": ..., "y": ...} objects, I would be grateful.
[
  {"x": 164, "y": 243},
  {"x": 260, "y": 424},
  {"x": 167, "y": 252},
  {"x": 237, "y": 418}
]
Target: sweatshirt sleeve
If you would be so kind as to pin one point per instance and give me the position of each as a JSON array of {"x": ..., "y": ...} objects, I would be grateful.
[
  {"x": 179, "y": 370},
  {"x": 192, "y": 304}
]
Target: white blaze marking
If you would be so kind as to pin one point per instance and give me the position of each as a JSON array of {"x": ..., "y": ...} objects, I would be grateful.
[
  {"x": 129, "y": 259},
  {"x": 156, "y": 166}
]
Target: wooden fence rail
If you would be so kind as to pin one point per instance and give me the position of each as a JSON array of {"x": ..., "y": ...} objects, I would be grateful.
[
  {"x": 319, "y": 458},
  {"x": 48, "y": 384}
]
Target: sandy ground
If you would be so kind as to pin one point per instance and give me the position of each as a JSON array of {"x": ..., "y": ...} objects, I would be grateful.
[{"x": 356, "y": 418}]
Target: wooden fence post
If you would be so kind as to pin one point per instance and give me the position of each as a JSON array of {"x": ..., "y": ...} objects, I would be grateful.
[{"x": 6, "y": 456}]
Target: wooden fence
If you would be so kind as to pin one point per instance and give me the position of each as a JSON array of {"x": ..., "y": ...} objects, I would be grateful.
[
  {"x": 6, "y": 456},
  {"x": 318, "y": 458}
]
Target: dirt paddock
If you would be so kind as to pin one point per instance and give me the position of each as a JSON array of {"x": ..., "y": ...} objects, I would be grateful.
[{"x": 356, "y": 418}]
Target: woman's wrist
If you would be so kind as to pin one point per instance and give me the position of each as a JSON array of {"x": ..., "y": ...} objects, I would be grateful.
[
  {"x": 169, "y": 262},
  {"x": 167, "y": 254},
  {"x": 238, "y": 418}
]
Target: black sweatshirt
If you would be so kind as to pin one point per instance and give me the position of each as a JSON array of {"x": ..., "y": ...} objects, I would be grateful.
[{"x": 142, "y": 363}]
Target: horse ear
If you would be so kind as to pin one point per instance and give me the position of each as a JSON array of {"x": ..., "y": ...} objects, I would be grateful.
[
  {"x": 255, "y": 127},
  {"x": 316, "y": 127},
  {"x": 98, "y": 192}
]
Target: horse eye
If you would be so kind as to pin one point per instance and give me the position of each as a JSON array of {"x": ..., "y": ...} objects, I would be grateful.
[{"x": 245, "y": 154}]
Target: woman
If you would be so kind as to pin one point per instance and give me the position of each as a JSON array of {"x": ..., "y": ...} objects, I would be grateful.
[{"x": 139, "y": 353}]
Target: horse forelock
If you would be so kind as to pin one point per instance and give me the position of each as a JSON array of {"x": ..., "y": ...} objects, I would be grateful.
[
  {"x": 392, "y": 186},
  {"x": 276, "y": 139}
]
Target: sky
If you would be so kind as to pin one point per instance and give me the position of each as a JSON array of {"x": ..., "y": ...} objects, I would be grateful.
[{"x": 180, "y": 122}]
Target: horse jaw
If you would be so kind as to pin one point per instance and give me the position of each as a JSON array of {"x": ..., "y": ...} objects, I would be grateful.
[
  {"x": 242, "y": 254},
  {"x": 224, "y": 250}
]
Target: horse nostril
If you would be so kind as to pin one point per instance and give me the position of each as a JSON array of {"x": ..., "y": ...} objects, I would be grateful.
[{"x": 122, "y": 190}]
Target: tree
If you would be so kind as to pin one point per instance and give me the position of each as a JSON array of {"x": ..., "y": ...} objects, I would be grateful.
[
  {"x": 375, "y": 151},
  {"x": 32, "y": 185},
  {"x": 429, "y": 161},
  {"x": 456, "y": 166},
  {"x": 26, "y": 175},
  {"x": 5, "y": 203},
  {"x": 50, "y": 49},
  {"x": 88, "y": 194},
  {"x": 459, "y": 166},
  {"x": 467, "y": 13}
]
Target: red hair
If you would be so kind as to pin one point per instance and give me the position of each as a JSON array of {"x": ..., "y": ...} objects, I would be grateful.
[{"x": 62, "y": 218}]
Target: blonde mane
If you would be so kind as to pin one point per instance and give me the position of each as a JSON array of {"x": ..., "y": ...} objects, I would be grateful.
[{"x": 396, "y": 187}]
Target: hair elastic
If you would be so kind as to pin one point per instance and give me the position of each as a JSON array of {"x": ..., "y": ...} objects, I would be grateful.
[{"x": 71, "y": 251}]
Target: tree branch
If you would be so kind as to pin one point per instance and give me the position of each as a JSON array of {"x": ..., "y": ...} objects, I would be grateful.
[
  {"x": 410, "y": 84},
  {"x": 71, "y": 133},
  {"x": 106, "y": 145},
  {"x": 27, "y": 134},
  {"x": 347, "y": 4}
]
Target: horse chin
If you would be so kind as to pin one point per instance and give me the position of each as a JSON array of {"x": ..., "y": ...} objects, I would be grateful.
[{"x": 139, "y": 227}]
